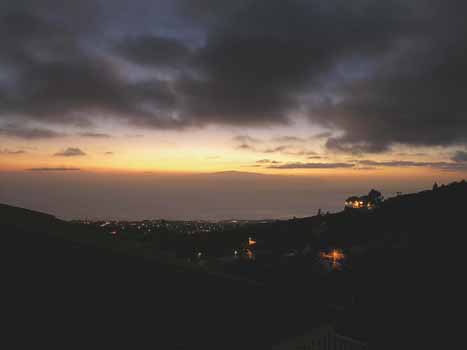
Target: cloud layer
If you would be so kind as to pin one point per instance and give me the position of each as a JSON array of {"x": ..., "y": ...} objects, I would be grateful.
[
  {"x": 7, "y": 151},
  {"x": 379, "y": 73},
  {"x": 28, "y": 133},
  {"x": 53, "y": 169},
  {"x": 70, "y": 152},
  {"x": 312, "y": 166},
  {"x": 460, "y": 156}
]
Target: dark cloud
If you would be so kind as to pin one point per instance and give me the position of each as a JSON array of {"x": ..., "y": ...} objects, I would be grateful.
[
  {"x": 246, "y": 147},
  {"x": 11, "y": 152},
  {"x": 397, "y": 163},
  {"x": 460, "y": 157},
  {"x": 246, "y": 139},
  {"x": 155, "y": 51},
  {"x": 260, "y": 58},
  {"x": 70, "y": 152},
  {"x": 323, "y": 135},
  {"x": 28, "y": 133},
  {"x": 300, "y": 152},
  {"x": 415, "y": 96},
  {"x": 27, "y": 37},
  {"x": 109, "y": 153},
  {"x": 370, "y": 164},
  {"x": 342, "y": 145},
  {"x": 97, "y": 135},
  {"x": 256, "y": 62},
  {"x": 312, "y": 166},
  {"x": 379, "y": 73},
  {"x": 209, "y": 11},
  {"x": 256, "y": 145},
  {"x": 403, "y": 163},
  {"x": 53, "y": 169},
  {"x": 54, "y": 78},
  {"x": 73, "y": 91},
  {"x": 267, "y": 161},
  {"x": 289, "y": 150},
  {"x": 405, "y": 154},
  {"x": 251, "y": 166},
  {"x": 276, "y": 149},
  {"x": 247, "y": 143},
  {"x": 82, "y": 15},
  {"x": 288, "y": 139},
  {"x": 275, "y": 52}
]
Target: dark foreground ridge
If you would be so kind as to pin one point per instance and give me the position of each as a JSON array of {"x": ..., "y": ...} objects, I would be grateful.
[
  {"x": 68, "y": 284},
  {"x": 62, "y": 291}
]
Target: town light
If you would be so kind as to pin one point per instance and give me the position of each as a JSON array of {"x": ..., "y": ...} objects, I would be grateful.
[{"x": 335, "y": 256}]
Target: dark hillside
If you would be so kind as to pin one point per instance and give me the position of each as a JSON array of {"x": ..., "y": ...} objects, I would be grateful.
[
  {"x": 62, "y": 293},
  {"x": 24, "y": 219},
  {"x": 68, "y": 282}
]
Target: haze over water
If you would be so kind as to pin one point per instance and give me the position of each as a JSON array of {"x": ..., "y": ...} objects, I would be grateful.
[{"x": 81, "y": 195}]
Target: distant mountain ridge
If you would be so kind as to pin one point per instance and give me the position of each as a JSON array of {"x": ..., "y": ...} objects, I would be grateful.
[{"x": 234, "y": 172}]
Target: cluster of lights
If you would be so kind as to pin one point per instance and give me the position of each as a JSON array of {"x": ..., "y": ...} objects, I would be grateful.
[{"x": 355, "y": 204}]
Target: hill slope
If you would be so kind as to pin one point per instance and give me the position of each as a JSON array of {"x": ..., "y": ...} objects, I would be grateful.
[
  {"x": 65, "y": 290},
  {"x": 63, "y": 282}
]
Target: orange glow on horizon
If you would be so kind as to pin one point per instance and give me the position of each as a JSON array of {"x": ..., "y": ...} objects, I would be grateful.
[{"x": 197, "y": 151}]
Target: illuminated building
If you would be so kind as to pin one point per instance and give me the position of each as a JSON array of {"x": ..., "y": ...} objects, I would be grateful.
[{"x": 368, "y": 202}]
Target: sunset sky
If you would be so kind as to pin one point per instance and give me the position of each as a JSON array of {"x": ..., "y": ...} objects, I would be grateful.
[{"x": 305, "y": 93}]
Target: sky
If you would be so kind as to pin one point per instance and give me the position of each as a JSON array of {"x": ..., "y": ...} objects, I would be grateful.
[{"x": 277, "y": 99}]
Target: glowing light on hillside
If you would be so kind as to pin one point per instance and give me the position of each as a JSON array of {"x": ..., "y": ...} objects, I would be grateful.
[
  {"x": 249, "y": 254},
  {"x": 335, "y": 258},
  {"x": 335, "y": 255}
]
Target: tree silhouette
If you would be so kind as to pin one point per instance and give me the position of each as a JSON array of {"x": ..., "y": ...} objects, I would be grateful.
[{"x": 375, "y": 197}]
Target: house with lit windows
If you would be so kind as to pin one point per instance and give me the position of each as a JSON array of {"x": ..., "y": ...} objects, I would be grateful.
[{"x": 368, "y": 202}]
